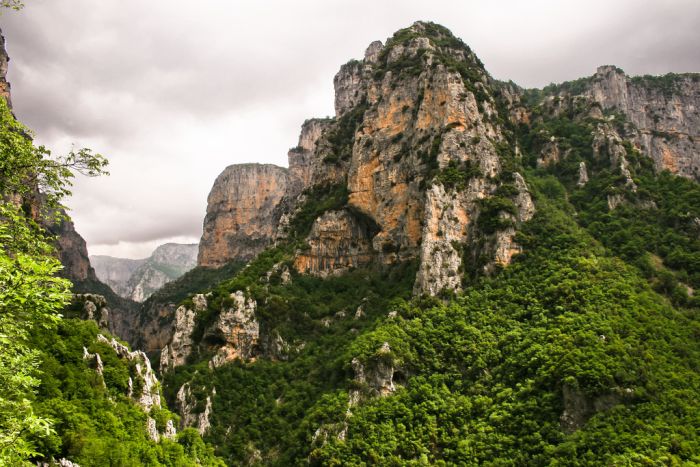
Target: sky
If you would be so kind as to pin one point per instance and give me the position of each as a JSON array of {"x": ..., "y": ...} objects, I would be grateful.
[{"x": 172, "y": 91}]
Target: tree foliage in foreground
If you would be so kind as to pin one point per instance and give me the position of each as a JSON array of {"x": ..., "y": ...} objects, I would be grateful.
[
  {"x": 31, "y": 295},
  {"x": 52, "y": 403}
]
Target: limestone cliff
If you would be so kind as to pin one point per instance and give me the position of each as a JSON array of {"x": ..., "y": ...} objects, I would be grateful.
[
  {"x": 303, "y": 169},
  {"x": 415, "y": 109},
  {"x": 175, "y": 353},
  {"x": 241, "y": 219},
  {"x": 72, "y": 251},
  {"x": 419, "y": 143},
  {"x": 662, "y": 111},
  {"x": 236, "y": 332},
  {"x": 338, "y": 241}
]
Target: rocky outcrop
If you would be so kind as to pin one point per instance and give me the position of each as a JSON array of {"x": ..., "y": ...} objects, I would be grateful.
[
  {"x": 338, "y": 242},
  {"x": 236, "y": 332},
  {"x": 149, "y": 396},
  {"x": 582, "y": 174},
  {"x": 169, "y": 431},
  {"x": 373, "y": 379},
  {"x": 376, "y": 379},
  {"x": 349, "y": 86},
  {"x": 608, "y": 143},
  {"x": 58, "y": 463},
  {"x": 4, "y": 84},
  {"x": 405, "y": 114},
  {"x": 180, "y": 346},
  {"x": 187, "y": 404},
  {"x": 663, "y": 111},
  {"x": 98, "y": 366},
  {"x": 303, "y": 159},
  {"x": 448, "y": 216},
  {"x": 241, "y": 218},
  {"x": 92, "y": 307},
  {"x": 72, "y": 251},
  {"x": 579, "y": 407},
  {"x": 416, "y": 118},
  {"x": 505, "y": 245}
]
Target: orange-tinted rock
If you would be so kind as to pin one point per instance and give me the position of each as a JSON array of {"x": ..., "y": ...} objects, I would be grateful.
[
  {"x": 338, "y": 241},
  {"x": 241, "y": 218}
]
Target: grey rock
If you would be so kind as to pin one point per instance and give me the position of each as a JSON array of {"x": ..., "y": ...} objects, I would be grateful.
[
  {"x": 236, "y": 331},
  {"x": 180, "y": 346},
  {"x": 666, "y": 122},
  {"x": 186, "y": 403},
  {"x": 150, "y": 395},
  {"x": 582, "y": 174}
]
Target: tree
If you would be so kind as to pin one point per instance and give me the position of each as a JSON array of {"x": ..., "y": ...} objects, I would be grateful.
[
  {"x": 32, "y": 185},
  {"x": 14, "y": 4}
]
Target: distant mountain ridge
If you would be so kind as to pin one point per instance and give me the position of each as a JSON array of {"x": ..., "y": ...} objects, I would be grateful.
[{"x": 137, "y": 279}]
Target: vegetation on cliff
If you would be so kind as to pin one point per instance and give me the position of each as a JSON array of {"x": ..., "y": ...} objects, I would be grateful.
[{"x": 582, "y": 351}]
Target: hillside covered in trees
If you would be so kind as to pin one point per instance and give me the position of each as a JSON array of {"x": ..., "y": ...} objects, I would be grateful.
[{"x": 453, "y": 270}]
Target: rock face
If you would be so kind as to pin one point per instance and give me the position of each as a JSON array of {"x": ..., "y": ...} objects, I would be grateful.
[
  {"x": 578, "y": 407},
  {"x": 236, "y": 332},
  {"x": 302, "y": 157},
  {"x": 93, "y": 307},
  {"x": 413, "y": 117},
  {"x": 72, "y": 252},
  {"x": 447, "y": 224},
  {"x": 241, "y": 219},
  {"x": 4, "y": 84},
  {"x": 378, "y": 379},
  {"x": 235, "y": 335},
  {"x": 338, "y": 241},
  {"x": 149, "y": 396},
  {"x": 663, "y": 111},
  {"x": 187, "y": 404},
  {"x": 137, "y": 279},
  {"x": 180, "y": 346},
  {"x": 407, "y": 122}
]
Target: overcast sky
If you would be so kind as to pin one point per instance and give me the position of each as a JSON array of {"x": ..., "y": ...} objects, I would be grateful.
[{"x": 174, "y": 91}]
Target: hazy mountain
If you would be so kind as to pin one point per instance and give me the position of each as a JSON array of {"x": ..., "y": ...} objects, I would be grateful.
[{"x": 137, "y": 279}]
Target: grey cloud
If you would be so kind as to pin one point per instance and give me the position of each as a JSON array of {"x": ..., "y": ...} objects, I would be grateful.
[{"x": 174, "y": 91}]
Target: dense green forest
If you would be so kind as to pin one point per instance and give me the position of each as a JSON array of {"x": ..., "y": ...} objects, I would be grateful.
[{"x": 484, "y": 378}]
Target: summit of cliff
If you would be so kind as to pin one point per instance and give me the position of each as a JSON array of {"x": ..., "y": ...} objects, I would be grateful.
[
  {"x": 419, "y": 146},
  {"x": 452, "y": 269}
]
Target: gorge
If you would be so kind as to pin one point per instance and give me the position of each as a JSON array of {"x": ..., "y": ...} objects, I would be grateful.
[{"x": 451, "y": 270}]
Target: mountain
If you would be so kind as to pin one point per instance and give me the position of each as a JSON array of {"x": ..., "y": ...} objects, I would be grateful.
[
  {"x": 115, "y": 272},
  {"x": 452, "y": 270},
  {"x": 137, "y": 279}
]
